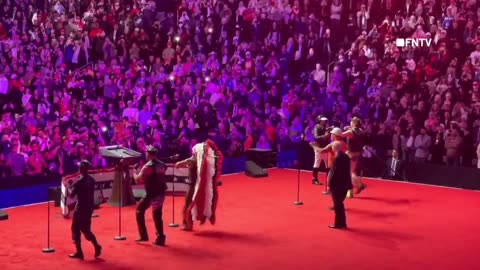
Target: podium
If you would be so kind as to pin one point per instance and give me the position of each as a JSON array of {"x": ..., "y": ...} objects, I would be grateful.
[{"x": 122, "y": 192}]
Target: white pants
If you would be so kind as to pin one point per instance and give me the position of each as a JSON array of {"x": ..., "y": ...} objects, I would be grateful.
[{"x": 319, "y": 156}]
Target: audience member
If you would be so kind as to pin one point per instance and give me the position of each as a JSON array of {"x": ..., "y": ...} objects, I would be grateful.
[{"x": 77, "y": 75}]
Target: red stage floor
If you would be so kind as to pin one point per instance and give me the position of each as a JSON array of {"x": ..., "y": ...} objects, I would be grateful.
[{"x": 392, "y": 226}]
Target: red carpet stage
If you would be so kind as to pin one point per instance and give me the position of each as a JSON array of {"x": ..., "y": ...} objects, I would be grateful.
[{"x": 392, "y": 226}]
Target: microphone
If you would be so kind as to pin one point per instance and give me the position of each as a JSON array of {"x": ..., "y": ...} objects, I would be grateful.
[
  {"x": 136, "y": 166},
  {"x": 174, "y": 157}
]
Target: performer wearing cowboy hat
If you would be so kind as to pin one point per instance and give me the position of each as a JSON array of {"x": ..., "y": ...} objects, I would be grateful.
[
  {"x": 152, "y": 175},
  {"x": 321, "y": 140}
]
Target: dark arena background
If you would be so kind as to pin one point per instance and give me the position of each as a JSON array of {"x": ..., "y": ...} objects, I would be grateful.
[{"x": 269, "y": 82}]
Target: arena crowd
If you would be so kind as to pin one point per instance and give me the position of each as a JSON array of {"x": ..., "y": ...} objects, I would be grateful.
[{"x": 78, "y": 75}]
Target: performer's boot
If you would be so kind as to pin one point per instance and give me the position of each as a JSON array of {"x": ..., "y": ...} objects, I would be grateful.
[
  {"x": 98, "y": 250},
  {"x": 79, "y": 253},
  {"x": 91, "y": 237},
  {"x": 184, "y": 214},
  {"x": 97, "y": 247},
  {"x": 315, "y": 177},
  {"x": 360, "y": 186},
  {"x": 157, "y": 218},
  {"x": 142, "y": 229},
  {"x": 185, "y": 226}
]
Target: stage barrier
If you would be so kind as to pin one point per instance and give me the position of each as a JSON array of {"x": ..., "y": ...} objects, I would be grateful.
[
  {"x": 21, "y": 190},
  {"x": 374, "y": 167}
]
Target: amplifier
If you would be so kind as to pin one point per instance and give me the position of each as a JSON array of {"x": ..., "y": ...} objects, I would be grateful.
[{"x": 263, "y": 158}]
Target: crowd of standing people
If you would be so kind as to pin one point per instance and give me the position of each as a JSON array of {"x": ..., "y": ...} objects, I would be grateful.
[{"x": 78, "y": 75}]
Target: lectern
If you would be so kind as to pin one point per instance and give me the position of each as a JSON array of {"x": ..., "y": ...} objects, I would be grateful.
[{"x": 122, "y": 193}]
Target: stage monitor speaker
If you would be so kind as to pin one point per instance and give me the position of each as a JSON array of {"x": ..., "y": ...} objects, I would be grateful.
[
  {"x": 3, "y": 215},
  {"x": 253, "y": 170},
  {"x": 55, "y": 194},
  {"x": 263, "y": 158},
  {"x": 99, "y": 200}
]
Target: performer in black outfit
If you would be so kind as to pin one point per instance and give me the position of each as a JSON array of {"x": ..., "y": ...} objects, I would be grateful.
[
  {"x": 339, "y": 182},
  {"x": 152, "y": 175},
  {"x": 82, "y": 215},
  {"x": 322, "y": 138}
]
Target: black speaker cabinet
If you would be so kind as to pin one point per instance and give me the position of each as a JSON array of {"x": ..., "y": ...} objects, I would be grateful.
[
  {"x": 55, "y": 194},
  {"x": 3, "y": 215},
  {"x": 253, "y": 170},
  {"x": 263, "y": 158}
]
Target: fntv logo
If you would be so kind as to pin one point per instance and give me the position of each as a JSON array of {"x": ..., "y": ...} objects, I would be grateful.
[{"x": 413, "y": 42}]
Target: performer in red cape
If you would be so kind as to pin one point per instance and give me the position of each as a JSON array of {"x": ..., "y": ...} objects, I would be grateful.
[{"x": 208, "y": 160}]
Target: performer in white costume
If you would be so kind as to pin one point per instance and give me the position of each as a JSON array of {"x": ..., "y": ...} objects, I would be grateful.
[{"x": 208, "y": 162}]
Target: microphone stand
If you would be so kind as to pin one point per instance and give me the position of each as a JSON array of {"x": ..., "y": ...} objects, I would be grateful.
[
  {"x": 298, "y": 202},
  {"x": 120, "y": 237},
  {"x": 326, "y": 191},
  {"x": 48, "y": 249},
  {"x": 173, "y": 224}
]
